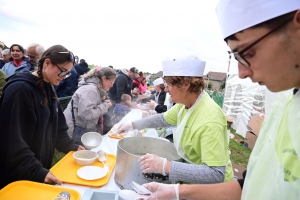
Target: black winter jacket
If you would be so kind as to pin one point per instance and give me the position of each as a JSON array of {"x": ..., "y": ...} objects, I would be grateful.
[
  {"x": 121, "y": 86},
  {"x": 161, "y": 97},
  {"x": 82, "y": 68},
  {"x": 29, "y": 132}
]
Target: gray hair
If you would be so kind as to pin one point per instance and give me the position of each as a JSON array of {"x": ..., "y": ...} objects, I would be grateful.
[
  {"x": 5, "y": 52},
  {"x": 39, "y": 49},
  {"x": 1, "y": 52}
]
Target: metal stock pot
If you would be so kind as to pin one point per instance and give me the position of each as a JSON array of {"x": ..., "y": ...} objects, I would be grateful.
[{"x": 128, "y": 152}]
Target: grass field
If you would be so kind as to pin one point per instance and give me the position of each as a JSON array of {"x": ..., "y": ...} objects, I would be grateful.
[{"x": 57, "y": 156}]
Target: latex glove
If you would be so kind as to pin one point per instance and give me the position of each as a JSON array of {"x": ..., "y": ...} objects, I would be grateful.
[
  {"x": 151, "y": 105},
  {"x": 162, "y": 191},
  {"x": 152, "y": 112},
  {"x": 125, "y": 127},
  {"x": 151, "y": 163}
]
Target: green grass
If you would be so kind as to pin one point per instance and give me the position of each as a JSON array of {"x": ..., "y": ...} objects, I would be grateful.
[
  {"x": 57, "y": 156},
  {"x": 239, "y": 153}
]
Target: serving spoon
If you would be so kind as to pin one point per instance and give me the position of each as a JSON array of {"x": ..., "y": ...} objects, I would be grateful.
[
  {"x": 131, "y": 195},
  {"x": 140, "y": 189},
  {"x": 102, "y": 157}
]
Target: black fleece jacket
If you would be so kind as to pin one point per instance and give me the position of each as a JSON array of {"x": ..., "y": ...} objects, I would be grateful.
[
  {"x": 121, "y": 86},
  {"x": 29, "y": 132}
]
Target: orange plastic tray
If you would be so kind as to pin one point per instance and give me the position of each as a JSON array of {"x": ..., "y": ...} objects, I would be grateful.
[
  {"x": 111, "y": 135},
  {"x": 66, "y": 170},
  {"x": 28, "y": 190},
  {"x": 115, "y": 136}
]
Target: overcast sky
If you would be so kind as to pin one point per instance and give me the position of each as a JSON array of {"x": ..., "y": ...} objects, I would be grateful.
[{"x": 122, "y": 33}]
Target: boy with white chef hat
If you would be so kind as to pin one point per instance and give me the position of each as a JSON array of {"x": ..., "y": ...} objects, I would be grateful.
[{"x": 264, "y": 37}]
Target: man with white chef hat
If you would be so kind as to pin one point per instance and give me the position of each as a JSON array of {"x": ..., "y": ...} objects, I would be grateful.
[{"x": 264, "y": 37}]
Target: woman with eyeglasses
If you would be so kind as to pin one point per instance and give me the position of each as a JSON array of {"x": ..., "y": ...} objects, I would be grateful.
[
  {"x": 88, "y": 105},
  {"x": 200, "y": 136},
  {"x": 32, "y": 122}
]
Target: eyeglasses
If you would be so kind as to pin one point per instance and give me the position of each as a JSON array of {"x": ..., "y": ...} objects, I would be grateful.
[
  {"x": 239, "y": 55},
  {"x": 63, "y": 72},
  {"x": 72, "y": 57}
]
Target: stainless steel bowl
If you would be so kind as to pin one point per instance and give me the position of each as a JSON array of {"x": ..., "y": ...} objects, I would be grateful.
[
  {"x": 130, "y": 149},
  {"x": 91, "y": 140}
]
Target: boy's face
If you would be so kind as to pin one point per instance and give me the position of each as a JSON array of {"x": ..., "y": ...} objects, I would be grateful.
[
  {"x": 128, "y": 101},
  {"x": 275, "y": 60}
]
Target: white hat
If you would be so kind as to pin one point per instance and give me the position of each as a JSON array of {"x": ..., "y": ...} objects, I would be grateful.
[
  {"x": 158, "y": 81},
  {"x": 193, "y": 68},
  {"x": 238, "y": 15}
]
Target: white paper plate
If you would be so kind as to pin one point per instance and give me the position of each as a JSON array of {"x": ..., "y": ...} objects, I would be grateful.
[{"x": 91, "y": 172}]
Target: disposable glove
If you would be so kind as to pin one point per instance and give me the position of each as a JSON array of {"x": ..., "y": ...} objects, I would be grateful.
[
  {"x": 151, "y": 105},
  {"x": 151, "y": 163},
  {"x": 125, "y": 127},
  {"x": 152, "y": 112},
  {"x": 162, "y": 191}
]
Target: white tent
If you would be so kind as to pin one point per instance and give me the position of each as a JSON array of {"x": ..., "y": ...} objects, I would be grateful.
[{"x": 242, "y": 100}]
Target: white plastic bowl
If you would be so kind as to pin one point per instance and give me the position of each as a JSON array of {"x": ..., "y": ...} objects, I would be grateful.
[
  {"x": 91, "y": 140},
  {"x": 85, "y": 157}
]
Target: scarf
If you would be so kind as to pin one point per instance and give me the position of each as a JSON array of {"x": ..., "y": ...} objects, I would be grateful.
[{"x": 16, "y": 63}]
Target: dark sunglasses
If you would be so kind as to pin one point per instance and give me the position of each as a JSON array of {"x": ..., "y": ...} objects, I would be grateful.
[
  {"x": 72, "y": 57},
  {"x": 239, "y": 55},
  {"x": 63, "y": 72}
]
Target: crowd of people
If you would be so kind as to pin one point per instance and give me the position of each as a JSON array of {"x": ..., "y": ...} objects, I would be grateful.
[{"x": 266, "y": 47}]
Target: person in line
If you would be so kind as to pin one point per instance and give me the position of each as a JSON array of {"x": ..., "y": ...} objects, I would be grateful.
[
  {"x": 121, "y": 86},
  {"x": 32, "y": 122},
  {"x": 68, "y": 86},
  {"x": 87, "y": 105},
  {"x": 140, "y": 83},
  {"x": 82, "y": 67},
  {"x": 200, "y": 137},
  {"x": 6, "y": 56},
  {"x": 267, "y": 48},
  {"x": 34, "y": 52},
  {"x": 19, "y": 62},
  {"x": 121, "y": 109},
  {"x": 135, "y": 94},
  {"x": 2, "y": 62},
  {"x": 2, "y": 81}
]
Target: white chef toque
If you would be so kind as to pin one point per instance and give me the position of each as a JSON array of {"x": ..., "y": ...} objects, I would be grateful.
[
  {"x": 158, "y": 81},
  {"x": 238, "y": 15},
  {"x": 189, "y": 66}
]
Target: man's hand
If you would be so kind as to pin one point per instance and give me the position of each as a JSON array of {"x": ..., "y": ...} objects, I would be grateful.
[
  {"x": 50, "y": 178},
  {"x": 108, "y": 103},
  {"x": 80, "y": 148}
]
